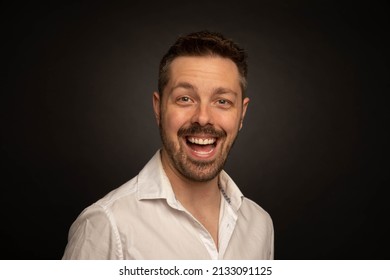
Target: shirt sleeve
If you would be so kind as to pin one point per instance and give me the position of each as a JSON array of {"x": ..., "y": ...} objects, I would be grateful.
[
  {"x": 272, "y": 254},
  {"x": 93, "y": 236}
]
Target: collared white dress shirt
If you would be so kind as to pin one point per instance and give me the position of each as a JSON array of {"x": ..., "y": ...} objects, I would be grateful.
[{"x": 143, "y": 220}]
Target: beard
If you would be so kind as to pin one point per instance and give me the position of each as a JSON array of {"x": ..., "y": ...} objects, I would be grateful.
[{"x": 194, "y": 170}]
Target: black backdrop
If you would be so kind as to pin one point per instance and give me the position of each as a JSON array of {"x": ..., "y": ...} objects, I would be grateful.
[{"x": 77, "y": 121}]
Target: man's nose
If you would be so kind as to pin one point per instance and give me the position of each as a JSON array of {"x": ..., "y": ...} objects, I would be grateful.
[{"x": 202, "y": 115}]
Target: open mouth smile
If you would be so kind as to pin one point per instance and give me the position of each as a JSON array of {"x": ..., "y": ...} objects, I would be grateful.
[{"x": 201, "y": 146}]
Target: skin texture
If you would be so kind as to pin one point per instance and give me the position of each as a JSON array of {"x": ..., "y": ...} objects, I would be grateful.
[{"x": 202, "y": 100}]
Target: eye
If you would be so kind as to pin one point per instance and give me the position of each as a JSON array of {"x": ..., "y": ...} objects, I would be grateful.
[
  {"x": 183, "y": 100},
  {"x": 224, "y": 103}
]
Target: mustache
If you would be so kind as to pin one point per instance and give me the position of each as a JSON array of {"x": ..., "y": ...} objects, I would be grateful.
[{"x": 196, "y": 128}]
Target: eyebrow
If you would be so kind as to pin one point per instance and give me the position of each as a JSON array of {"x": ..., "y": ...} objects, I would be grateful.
[
  {"x": 222, "y": 90},
  {"x": 218, "y": 90},
  {"x": 184, "y": 85}
]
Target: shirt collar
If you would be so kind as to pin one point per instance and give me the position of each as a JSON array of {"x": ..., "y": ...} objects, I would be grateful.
[
  {"x": 153, "y": 183},
  {"x": 230, "y": 191}
]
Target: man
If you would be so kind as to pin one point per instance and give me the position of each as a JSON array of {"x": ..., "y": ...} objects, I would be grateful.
[{"x": 182, "y": 205}]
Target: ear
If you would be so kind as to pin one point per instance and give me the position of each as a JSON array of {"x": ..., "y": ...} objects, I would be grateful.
[
  {"x": 156, "y": 106},
  {"x": 245, "y": 103}
]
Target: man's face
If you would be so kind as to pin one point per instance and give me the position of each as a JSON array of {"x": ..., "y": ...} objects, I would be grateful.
[{"x": 199, "y": 115}]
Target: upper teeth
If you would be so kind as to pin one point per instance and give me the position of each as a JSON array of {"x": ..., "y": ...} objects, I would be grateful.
[{"x": 201, "y": 141}]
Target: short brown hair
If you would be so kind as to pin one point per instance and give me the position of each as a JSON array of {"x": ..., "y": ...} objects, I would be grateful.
[{"x": 204, "y": 43}]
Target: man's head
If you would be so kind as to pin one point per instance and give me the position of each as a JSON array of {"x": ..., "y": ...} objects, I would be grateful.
[
  {"x": 200, "y": 105},
  {"x": 204, "y": 43}
]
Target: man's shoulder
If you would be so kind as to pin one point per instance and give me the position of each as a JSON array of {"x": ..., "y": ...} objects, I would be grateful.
[
  {"x": 126, "y": 196},
  {"x": 123, "y": 193},
  {"x": 253, "y": 210},
  {"x": 103, "y": 210}
]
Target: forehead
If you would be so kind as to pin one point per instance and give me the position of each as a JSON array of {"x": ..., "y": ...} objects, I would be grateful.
[{"x": 205, "y": 71}]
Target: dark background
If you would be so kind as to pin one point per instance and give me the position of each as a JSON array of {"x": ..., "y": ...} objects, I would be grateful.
[{"x": 77, "y": 121}]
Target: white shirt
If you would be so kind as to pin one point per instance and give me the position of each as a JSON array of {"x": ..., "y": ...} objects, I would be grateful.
[{"x": 143, "y": 220}]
